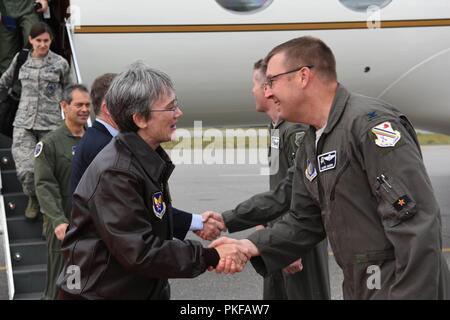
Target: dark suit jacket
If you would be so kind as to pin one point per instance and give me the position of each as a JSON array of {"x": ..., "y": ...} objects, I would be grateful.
[{"x": 93, "y": 141}]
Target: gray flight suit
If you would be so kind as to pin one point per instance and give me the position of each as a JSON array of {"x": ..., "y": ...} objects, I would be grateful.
[
  {"x": 53, "y": 159},
  {"x": 366, "y": 187},
  {"x": 38, "y": 112},
  {"x": 14, "y": 36},
  {"x": 313, "y": 281}
]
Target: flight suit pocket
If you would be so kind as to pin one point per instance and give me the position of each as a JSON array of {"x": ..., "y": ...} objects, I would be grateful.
[{"x": 395, "y": 204}]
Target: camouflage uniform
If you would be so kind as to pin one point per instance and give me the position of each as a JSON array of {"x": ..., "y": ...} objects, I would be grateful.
[
  {"x": 14, "y": 38},
  {"x": 53, "y": 162},
  {"x": 38, "y": 112}
]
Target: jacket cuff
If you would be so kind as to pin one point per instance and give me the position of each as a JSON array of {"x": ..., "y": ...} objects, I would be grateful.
[
  {"x": 58, "y": 221},
  {"x": 211, "y": 257}
]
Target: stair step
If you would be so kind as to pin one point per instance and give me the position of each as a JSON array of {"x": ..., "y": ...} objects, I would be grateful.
[
  {"x": 6, "y": 160},
  {"x": 15, "y": 204},
  {"x": 29, "y": 296},
  {"x": 28, "y": 252},
  {"x": 5, "y": 142},
  {"x": 20, "y": 228},
  {"x": 28, "y": 279},
  {"x": 10, "y": 184}
]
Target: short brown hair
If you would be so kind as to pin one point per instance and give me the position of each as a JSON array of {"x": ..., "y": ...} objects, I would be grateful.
[
  {"x": 308, "y": 51},
  {"x": 99, "y": 88},
  {"x": 261, "y": 67},
  {"x": 40, "y": 28}
]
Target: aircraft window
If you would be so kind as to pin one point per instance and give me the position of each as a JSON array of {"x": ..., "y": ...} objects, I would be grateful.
[
  {"x": 244, "y": 6},
  {"x": 362, "y": 5}
]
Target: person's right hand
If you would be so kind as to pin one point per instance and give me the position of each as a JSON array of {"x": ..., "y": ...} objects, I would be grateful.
[
  {"x": 60, "y": 231},
  {"x": 44, "y": 4},
  {"x": 234, "y": 254}
]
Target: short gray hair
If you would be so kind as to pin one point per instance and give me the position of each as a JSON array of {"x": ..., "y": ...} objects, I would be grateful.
[
  {"x": 135, "y": 91},
  {"x": 67, "y": 92}
]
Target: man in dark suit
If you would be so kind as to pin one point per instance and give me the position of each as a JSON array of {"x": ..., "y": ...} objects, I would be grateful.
[{"x": 100, "y": 134}]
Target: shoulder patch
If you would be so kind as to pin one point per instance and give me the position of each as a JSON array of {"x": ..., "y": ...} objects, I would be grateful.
[
  {"x": 159, "y": 207},
  {"x": 38, "y": 149},
  {"x": 385, "y": 135}
]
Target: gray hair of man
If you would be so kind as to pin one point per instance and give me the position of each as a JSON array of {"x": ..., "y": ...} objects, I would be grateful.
[
  {"x": 135, "y": 91},
  {"x": 67, "y": 92}
]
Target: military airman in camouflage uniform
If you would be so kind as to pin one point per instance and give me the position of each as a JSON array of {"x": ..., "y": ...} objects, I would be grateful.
[
  {"x": 17, "y": 18},
  {"x": 42, "y": 80}
]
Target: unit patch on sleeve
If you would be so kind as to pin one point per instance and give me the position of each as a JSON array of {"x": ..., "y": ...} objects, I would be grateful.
[
  {"x": 385, "y": 135},
  {"x": 38, "y": 149},
  {"x": 159, "y": 207},
  {"x": 327, "y": 161}
]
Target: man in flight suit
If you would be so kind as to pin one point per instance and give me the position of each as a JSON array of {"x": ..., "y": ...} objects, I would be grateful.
[
  {"x": 359, "y": 178},
  {"x": 53, "y": 156},
  {"x": 306, "y": 278}
]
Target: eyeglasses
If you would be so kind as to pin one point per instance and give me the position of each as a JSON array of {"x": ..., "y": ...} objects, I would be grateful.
[
  {"x": 172, "y": 106},
  {"x": 269, "y": 82}
]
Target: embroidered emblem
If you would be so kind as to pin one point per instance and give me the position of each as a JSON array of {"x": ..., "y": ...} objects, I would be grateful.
[
  {"x": 327, "y": 161},
  {"x": 38, "y": 149},
  {"x": 310, "y": 171},
  {"x": 159, "y": 207},
  {"x": 386, "y": 135}
]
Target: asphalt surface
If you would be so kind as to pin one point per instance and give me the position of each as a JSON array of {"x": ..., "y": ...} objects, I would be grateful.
[
  {"x": 203, "y": 187},
  {"x": 197, "y": 188}
]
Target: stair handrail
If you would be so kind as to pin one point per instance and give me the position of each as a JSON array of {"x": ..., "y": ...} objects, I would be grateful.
[{"x": 5, "y": 241}]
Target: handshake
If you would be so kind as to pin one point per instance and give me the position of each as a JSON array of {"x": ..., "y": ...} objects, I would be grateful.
[{"x": 233, "y": 253}]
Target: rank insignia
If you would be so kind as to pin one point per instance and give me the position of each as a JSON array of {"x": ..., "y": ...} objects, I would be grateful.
[
  {"x": 159, "y": 207},
  {"x": 386, "y": 136},
  {"x": 38, "y": 149},
  {"x": 298, "y": 138},
  {"x": 401, "y": 202},
  {"x": 310, "y": 171},
  {"x": 327, "y": 161}
]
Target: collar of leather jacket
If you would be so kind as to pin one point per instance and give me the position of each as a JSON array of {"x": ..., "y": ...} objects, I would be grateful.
[
  {"x": 338, "y": 107},
  {"x": 156, "y": 163}
]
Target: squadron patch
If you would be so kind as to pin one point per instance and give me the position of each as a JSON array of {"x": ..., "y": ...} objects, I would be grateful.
[
  {"x": 327, "y": 161},
  {"x": 386, "y": 136},
  {"x": 38, "y": 149},
  {"x": 310, "y": 171},
  {"x": 159, "y": 207}
]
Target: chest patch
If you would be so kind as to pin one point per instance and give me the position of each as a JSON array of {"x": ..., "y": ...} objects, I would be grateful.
[
  {"x": 159, "y": 207},
  {"x": 385, "y": 135},
  {"x": 275, "y": 142},
  {"x": 327, "y": 161},
  {"x": 310, "y": 171}
]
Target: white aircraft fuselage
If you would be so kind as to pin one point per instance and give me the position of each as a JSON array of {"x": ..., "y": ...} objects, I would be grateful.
[{"x": 400, "y": 53}]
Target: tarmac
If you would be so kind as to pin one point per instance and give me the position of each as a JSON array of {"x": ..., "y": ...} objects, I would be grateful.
[{"x": 200, "y": 187}]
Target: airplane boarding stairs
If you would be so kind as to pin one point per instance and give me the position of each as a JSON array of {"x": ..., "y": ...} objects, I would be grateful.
[{"x": 26, "y": 245}]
